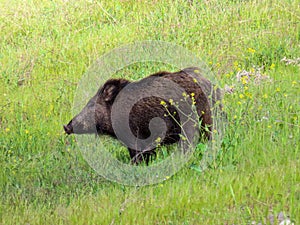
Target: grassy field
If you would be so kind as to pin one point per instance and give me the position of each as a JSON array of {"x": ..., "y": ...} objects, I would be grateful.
[{"x": 253, "y": 48}]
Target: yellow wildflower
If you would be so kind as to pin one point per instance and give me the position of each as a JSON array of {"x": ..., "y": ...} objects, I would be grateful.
[
  {"x": 244, "y": 80},
  {"x": 163, "y": 103},
  {"x": 249, "y": 95},
  {"x": 158, "y": 140},
  {"x": 251, "y": 50}
]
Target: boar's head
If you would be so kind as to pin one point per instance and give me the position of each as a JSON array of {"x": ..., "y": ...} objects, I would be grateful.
[{"x": 95, "y": 116}]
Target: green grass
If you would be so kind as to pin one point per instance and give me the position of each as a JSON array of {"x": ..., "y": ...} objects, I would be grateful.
[{"x": 45, "y": 48}]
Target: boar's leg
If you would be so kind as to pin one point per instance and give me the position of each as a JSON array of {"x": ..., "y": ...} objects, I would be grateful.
[{"x": 137, "y": 156}]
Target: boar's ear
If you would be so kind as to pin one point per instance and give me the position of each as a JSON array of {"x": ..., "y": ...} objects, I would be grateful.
[{"x": 111, "y": 89}]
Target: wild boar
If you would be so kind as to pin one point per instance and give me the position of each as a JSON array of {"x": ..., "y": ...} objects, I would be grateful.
[{"x": 98, "y": 117}]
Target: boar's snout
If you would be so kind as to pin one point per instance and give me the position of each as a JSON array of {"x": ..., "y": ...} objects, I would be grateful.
[{"x": 68, "y": 128}]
